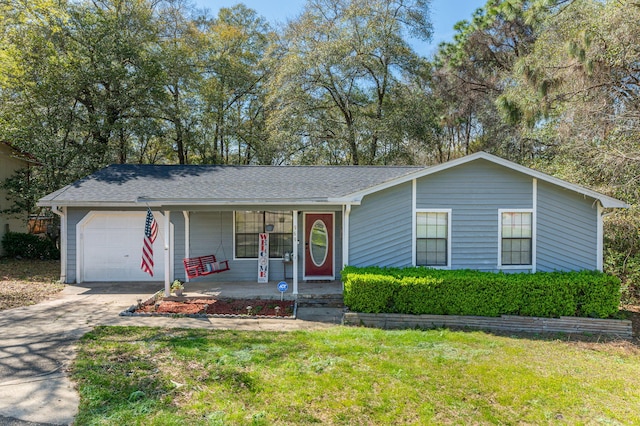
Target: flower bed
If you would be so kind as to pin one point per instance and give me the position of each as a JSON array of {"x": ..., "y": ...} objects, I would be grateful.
[{"x": 250, "y": 308}]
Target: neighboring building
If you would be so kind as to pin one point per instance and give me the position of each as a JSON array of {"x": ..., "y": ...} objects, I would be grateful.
[
  {"x": 479, "y": 212},
  {"x": 11, "y": 160}
]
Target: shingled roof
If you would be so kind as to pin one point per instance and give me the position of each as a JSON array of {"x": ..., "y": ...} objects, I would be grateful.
[
  {"x": 132, "y": 185},
  {"x": 124, "y": 184}
]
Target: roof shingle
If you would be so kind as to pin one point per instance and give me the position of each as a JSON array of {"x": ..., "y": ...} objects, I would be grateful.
[{"x": 129, "y": 183}]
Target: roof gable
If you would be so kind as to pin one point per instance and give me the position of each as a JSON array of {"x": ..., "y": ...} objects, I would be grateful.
[{"x": 606, "y": 201}]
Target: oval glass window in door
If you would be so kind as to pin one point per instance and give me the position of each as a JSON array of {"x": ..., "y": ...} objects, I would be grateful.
[{"x": 319, "y": 243}]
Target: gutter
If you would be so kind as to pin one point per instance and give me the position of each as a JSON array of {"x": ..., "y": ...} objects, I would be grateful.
[
  {"x": 148, "y": 202},
  {"x": 233, "y": 201}
]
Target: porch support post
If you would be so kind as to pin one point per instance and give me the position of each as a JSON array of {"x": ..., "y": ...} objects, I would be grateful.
[
  {"x": 345, "y": 235},
  {"x": 167, "y": 259},
  {"x": 187, "y": 242},
  {"x": 295, "y": 253}
]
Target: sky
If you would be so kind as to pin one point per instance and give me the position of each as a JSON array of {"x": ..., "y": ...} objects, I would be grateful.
[{"x": 444, "y": 14}]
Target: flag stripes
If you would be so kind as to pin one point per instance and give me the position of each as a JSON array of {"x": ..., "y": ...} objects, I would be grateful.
[{"x": 150, "y": 234}]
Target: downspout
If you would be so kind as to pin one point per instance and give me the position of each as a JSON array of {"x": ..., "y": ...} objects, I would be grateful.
[{"x": 63, "y": 241}]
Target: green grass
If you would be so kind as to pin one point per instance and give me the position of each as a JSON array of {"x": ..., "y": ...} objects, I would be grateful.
[{"x": 355, "y": 376}]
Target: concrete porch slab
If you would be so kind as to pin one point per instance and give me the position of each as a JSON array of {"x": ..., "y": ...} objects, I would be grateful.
[{"x": 252, "y": 290}]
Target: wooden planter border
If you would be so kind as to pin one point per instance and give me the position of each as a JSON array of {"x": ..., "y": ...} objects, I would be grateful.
[{"x": 619, "y": 328}]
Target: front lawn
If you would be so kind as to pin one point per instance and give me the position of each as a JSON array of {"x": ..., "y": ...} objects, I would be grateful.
[
  {"x": 27, "y": 282},
  {"x": 135, "y": 375}
]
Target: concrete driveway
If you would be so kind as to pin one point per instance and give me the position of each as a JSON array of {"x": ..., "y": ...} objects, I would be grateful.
[{"x": 37, "y": 344}]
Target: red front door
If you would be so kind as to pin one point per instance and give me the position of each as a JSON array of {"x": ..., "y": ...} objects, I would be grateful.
[{"x": 318, "y": 246}]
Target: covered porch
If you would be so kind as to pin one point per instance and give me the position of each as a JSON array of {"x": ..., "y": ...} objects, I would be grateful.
[
  {"x": 254, "y": 290},
  {"x": 304, "y": 247}
]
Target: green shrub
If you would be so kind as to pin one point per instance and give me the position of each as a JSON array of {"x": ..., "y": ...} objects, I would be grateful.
[
  {"x": 371, "y": 292},
  {"x": 464, "y": 292},
  {"x": 547, "y": 294},
  {"x": 29, "y": 246},
  {"x": 597, "y": 294}
]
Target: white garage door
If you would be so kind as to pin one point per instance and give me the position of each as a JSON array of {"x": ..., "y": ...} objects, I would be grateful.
[{"x": 111, "y": 247}]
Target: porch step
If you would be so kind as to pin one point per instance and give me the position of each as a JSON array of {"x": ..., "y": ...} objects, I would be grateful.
[{"x": 321, "y": 300}]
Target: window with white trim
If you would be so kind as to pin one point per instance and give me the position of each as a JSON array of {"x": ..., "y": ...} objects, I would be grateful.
[
  {"x": 432, "y": 238},
  {"x": 248, "y": 224},
  {"x": 516, "y": 238}
]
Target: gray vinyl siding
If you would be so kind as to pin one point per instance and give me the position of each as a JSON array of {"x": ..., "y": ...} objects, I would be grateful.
[
  {"x": 474, "y": 192},
  {"x": 381, "y": 228},
  {"x": 567, "y": 230},
  {"x": 177, "y": 219},
  {"x": 212, "y": 233},
  {"x": 73, "y": 217}
]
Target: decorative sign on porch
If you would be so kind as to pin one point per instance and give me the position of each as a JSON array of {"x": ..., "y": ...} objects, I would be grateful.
[{"x": 263, "y": 258}]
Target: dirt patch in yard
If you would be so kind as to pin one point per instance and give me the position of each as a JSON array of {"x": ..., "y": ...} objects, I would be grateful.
[
  {"x": 222, "y": 307},
  {"x": 27, "y": 282}
]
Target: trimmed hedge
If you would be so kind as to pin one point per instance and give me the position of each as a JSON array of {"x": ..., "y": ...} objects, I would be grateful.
[
  {"x": 465, "y": 292},
  {"x": 29, "y": 246}
]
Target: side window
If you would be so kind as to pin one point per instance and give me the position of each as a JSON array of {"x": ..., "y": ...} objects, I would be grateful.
[
  {"x": 432, "y": 238},
  {"x": 516, "y": 238}
]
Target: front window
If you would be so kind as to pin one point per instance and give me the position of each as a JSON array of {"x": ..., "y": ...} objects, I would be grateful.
[
  {"x": 432, "y": 238},
  {"x": 516, "y": 228},
  {"x": 248, "y": 224}
]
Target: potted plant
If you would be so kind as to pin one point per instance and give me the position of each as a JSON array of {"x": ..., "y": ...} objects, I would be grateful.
[{"x": 177, "y": 287}]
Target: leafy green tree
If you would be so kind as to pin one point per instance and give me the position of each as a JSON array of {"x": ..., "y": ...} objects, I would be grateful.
[
  {"x": 88, "y": 83},
  {"x": 582, "y": 77},
  {"x": 414, "y": 131},
  {"x": 334, "y": 70},
  {"x": 179, "y": 106},
  {"x": 472, "y": 72},
  {"x": 78, "y": 84},
  {"x": 233, "y": 86},
  {"x": 112, "y": 76},
  {"x": 575, "y": 93}
]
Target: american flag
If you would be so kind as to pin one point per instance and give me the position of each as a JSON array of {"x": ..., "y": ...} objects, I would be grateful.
[{"x": 150, "y": 234}]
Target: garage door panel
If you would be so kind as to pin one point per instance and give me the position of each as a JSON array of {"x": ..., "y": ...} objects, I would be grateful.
[{"x": 112, "y": 247}]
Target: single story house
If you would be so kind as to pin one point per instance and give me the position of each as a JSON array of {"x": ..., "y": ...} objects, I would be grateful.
[{"x": 477, "y": 212}]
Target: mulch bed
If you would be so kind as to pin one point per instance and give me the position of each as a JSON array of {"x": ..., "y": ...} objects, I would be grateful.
[{"x": 218, "y": 307}]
